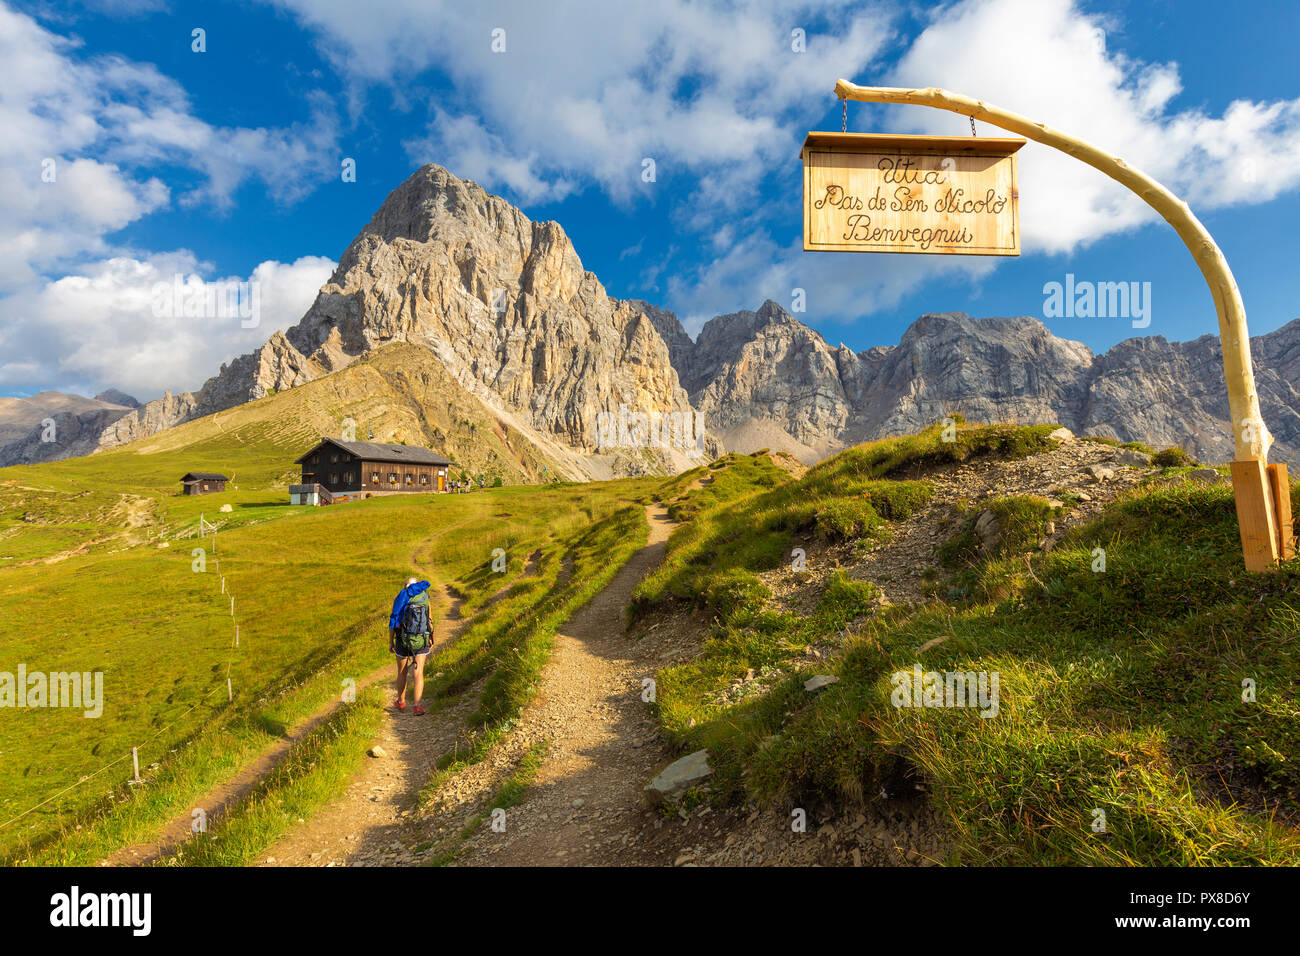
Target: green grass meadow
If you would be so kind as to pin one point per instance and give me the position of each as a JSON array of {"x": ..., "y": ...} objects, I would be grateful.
[
  {"x": 1158, "y": 691},
  {"x": 1121, "y": 689},
  {"x": 310, "y": 585}
]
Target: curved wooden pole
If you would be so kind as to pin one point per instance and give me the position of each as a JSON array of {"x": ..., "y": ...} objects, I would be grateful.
[{"x": 1250, "y": 436}]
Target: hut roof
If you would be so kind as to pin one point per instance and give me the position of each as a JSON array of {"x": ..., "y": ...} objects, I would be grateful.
[
  {"x": 203, "y": 476},
  {"x": 377, "y": 451}
]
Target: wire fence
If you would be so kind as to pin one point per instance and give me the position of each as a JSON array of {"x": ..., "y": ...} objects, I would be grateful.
[{"x": 133, "y": 753}]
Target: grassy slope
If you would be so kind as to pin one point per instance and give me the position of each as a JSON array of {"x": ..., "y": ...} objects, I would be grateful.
[
  {"x": 1120, "y": 690},
  {"x": 397, "y": 391},
  {"x": 312, "y": 588},
  {"x": 162, "y": 634},
  {"x": 504, "y": 646}
]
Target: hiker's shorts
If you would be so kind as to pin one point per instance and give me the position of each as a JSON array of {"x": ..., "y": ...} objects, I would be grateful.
[{"x": 407, "y": 657}]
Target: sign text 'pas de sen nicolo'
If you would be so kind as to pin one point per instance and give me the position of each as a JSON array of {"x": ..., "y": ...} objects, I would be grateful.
[{"x": 923, "y": 194}]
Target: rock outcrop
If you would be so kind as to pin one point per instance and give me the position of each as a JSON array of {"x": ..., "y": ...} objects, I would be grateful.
[
  {"x": 51, "y": 425},
  {"x": 763, "y": 379},
  {"x": 114, "y": 396}
]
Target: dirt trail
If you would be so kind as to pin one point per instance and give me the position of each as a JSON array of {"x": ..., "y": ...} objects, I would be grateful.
[
  {"x": 218, "y": 800},
  {"x": 376, "y": 820},
  {"x": 604, "y": 746},
  {"x": 586, "y": 804},
  {"x": 371, "y": 822}
]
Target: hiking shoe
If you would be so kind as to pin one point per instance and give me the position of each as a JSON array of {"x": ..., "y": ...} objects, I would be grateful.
[
  {"x": 400, "y": 703},
  {"x": 419, "y": 711}
]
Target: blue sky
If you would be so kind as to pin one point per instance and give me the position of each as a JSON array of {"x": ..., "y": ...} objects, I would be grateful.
[{"x": 226, "y": 163}]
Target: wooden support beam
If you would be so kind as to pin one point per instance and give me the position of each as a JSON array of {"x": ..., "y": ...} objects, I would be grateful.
[
  {"x": 1255, "y": 516},
  {"x": 1281, "y": 488}
]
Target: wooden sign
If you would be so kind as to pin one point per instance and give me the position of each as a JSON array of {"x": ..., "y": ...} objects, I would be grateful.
[{"x": 944, "y": 195}]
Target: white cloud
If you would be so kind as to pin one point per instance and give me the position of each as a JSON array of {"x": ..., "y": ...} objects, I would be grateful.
[
  {"x": 587, "y": 90},
  {"x": 101, "y": 125},
  {"x": 81, "y": 138},
  {"x": 100, "y": 328},
  {"x": 462, "y": 144},
  {"x": 1049, "y": 61}
]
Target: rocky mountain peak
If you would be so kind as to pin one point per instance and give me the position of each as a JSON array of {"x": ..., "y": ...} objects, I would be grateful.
[
  {"x": 113, "y": 396},
  {"x": 746, "y": 323},
  {"x": 430, "y": 200}
]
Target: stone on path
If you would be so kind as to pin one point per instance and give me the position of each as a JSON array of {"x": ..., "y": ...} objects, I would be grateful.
[
  {"x": 377, "y": 751},
  {"x": 679, "y": 776}
]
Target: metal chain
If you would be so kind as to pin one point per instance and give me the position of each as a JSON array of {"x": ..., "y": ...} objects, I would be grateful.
[
  {"x": 844, "y": 116},
  {"x": 972, "y": 125}
]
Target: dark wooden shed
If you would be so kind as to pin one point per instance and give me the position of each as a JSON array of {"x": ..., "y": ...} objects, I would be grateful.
[{"x": 202, "y": 482}]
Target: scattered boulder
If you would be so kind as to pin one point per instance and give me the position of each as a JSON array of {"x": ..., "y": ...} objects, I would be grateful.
[
  {"x": 1207, "y": 476},
  {"x": 988, "y": 530},
  {"x": 1061, "y": 434},
  {"x": 679, "y": 776},
  {"x": 225, "y": 509},
  {"x": 377, "y": 751},
  {"x": 813, "y": 684},
  {"x": 1099, "y": 472},
  {"x": 1132, "y": 457}
]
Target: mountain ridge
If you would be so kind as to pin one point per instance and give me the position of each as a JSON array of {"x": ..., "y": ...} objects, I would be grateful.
[{"x": 506, "y": 306}]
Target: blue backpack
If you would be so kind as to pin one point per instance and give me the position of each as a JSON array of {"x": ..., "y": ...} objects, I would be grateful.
[{"x": 415, "y": 631}]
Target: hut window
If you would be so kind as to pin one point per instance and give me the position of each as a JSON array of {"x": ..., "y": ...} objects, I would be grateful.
[
  {"x": 374, "y": 477},
  {"x": 392, "y": 478},
  {"x": 424, "y": 479},
  {"x": 347, "y": 479},
  {"x": 334, "y": 457},
  {"x": 408, "y": 479}
]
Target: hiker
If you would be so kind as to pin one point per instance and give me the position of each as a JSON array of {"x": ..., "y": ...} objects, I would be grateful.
[{"x": 410, "y": 637}]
